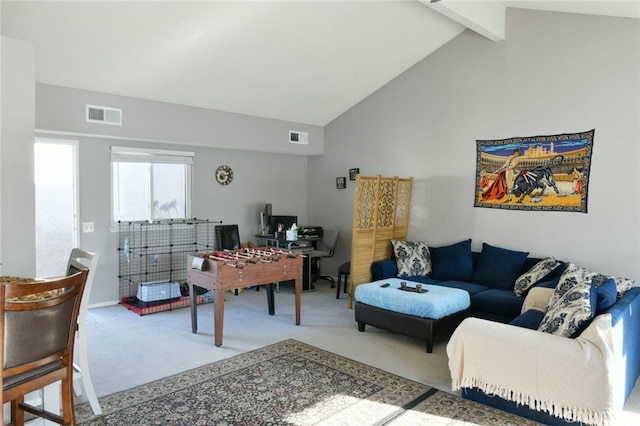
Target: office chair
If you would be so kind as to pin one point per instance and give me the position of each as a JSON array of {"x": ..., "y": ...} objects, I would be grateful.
[
  {"x": 80, "y": 260},
  {"x": 227, "y": 237},
  {"x": 38, "y": 322},
  {"x": 326, "y": 248}
]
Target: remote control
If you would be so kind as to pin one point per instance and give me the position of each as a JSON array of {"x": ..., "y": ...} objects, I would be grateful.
[{"x": 385, "y": 285}]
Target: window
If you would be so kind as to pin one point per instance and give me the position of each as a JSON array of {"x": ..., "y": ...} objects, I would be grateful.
[{"x": 150, "y": 184}]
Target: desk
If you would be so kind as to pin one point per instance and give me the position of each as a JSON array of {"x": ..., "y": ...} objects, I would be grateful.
[
  {"x": 264, "y": 239},
  {"x": 223, "y": 275},
  {"x": 304, "y": 245}
]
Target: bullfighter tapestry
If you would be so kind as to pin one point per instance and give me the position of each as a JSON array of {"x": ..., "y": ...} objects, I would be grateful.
[{"x": 534, "y": 173}]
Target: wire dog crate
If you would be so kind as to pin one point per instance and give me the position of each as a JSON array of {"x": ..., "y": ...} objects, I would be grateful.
[{"x": 152, "y": 259}]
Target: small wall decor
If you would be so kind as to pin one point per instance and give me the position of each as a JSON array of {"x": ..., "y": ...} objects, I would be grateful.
[
  {"x": 224, "y": 175},
  {"x": 534, "y": 173},
  {"x": 353, "y": 173},
  {"x": 341, "y": 182}
]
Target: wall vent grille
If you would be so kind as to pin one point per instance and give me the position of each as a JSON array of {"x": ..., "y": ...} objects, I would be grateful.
[
  {"x": 104, "y": 115},
  {"x": 300, "y": 138}
]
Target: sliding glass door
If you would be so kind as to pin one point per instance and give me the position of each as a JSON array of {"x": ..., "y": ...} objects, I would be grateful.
[{"x": 55, "y": 166}]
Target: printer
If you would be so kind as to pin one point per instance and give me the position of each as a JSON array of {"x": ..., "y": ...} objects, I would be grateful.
[{"x": 309, "y": 231}]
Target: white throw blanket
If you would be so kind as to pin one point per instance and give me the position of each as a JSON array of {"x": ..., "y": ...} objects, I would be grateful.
[{"x": 574, "y": 379}]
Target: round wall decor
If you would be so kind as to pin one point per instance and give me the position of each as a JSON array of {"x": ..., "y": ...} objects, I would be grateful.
[{"x": 224, "y": 175}]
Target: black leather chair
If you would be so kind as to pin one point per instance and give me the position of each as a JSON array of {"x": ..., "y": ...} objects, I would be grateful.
[{"x": 227, "y": 237}]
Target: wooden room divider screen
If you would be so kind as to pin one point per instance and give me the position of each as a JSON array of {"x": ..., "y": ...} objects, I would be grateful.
[{"x": 380, "y": 214}]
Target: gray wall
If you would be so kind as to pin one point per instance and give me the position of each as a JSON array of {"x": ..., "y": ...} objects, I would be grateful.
[
  {"x": 555, "y": 73},
  {"x": 259, "y": 178},
  {"x": 62, "y": 109},
  {"x": 17, "y": 214}
]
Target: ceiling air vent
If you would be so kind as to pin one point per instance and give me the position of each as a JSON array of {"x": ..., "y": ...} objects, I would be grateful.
[{"x": 104, "y": 115}]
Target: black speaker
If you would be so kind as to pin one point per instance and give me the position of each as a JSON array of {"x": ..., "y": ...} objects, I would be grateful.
[{"x": 267, "y": 218}]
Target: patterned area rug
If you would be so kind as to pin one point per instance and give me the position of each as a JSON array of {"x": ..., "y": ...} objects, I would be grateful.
[{"x": 288, "y": 383}]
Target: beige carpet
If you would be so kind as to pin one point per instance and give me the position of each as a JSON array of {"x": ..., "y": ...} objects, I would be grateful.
[
  {"x": 289, "y": 383},
  {"x": 127, "y": 351}
]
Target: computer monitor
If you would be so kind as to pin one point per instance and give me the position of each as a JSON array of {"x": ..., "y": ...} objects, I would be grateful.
[
  {"x": 285, "y": 221},
  {"x": 265, "y": 219}
]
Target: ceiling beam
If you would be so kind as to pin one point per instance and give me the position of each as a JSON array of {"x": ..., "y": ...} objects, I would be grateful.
[{"x": 486, "y": 17}]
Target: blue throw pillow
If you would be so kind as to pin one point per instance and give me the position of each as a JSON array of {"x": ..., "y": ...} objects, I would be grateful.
[
  {"x": 498, "y": 267},
  {"x": 531, "y": 319},
  {"x": 452, "y": 262},
  {"x": 606, "y": 293}
]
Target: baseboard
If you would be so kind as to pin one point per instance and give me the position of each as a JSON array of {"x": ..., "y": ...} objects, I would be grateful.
[{"x": 103, "y": 304}]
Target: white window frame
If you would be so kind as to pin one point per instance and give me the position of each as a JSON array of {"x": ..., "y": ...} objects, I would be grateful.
[{"x": 149, "y": 155}]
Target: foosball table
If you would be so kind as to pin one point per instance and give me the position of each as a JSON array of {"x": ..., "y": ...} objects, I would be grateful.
[{"x": 221, "y": 271}]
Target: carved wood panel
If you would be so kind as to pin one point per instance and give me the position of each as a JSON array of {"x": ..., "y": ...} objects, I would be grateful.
[{"x": 380, "y": 214}]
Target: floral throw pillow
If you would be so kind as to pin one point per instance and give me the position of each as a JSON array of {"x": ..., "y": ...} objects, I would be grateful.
[
  {"x": 535, "y": 274},
  {"x": 412, "y": 258},
  {"x": 572, "y": 303},
  {"x": 623, "y": 285}
]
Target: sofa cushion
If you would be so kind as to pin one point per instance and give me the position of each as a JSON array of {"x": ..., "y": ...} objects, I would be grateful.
[
  {"x": 464, "y": 285},
  {"x": 422, "y": 280},
  {"x": 498, "y": 301},
  {"x": 530, "y": 319},
  {"x": 572, "y": 304},
  {"x": 382, "y": 269},
  {"x": 453, "y": 262},
  {"x": 538, "y": 272},
  {"x": 412, "y": 258},
  {"x": 498, "y": 267}
]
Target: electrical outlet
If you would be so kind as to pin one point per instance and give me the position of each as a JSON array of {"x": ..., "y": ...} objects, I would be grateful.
[{"x": 87, "y": 227}]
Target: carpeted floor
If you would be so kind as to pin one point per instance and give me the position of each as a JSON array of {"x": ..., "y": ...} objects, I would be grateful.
[{"x": 289, "y": 383}]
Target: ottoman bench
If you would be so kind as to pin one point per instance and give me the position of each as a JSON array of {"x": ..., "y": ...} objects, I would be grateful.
[{"x": 430, "y": 315}]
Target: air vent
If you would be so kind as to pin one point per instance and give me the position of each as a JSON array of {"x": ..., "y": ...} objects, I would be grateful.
[
  {"x": 301, "y": 138},
  {"x": 104, "y": 115}
]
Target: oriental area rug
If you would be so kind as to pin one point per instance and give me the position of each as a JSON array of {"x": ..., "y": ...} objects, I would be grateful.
[{"x": 289, "y": 383}]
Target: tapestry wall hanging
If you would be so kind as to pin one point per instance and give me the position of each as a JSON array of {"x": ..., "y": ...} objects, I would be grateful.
[{"x": 534, "y": 173}]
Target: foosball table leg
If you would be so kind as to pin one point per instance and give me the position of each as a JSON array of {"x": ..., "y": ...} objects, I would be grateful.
[
  {"x": 218, "y": 316},
  {"x": 271, "y": 299},
  {"x": 194, "y": 308}
]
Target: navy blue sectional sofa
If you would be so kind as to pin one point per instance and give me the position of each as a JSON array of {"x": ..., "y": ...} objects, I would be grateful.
[
  {"x": 490, "y": 288},
  {"x": 613, "y": 335}
]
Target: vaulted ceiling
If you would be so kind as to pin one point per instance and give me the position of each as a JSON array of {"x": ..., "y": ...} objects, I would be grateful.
[{"x": 301, "y": 61}]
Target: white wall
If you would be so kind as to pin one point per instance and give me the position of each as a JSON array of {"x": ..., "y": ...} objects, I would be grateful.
[
  {"x": 554, "y": 73},
  {"x": 17, "y": 190}
]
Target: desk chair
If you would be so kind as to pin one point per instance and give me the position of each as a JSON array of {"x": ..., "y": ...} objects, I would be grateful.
[
  {"x": 227, "y": 237},
  {"x": 326, "y": 247},
  {"x": 80, "y": 260},
  {"x": 37, "y": 331}
]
